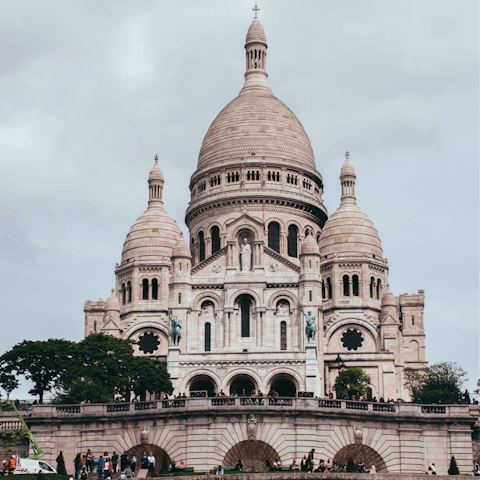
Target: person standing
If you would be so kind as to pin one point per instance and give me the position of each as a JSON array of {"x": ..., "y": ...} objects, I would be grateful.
[
  {"x": 123, "y": 461},
  {"x": 361, "y": 466},
  {"x": 78, "y": 465},
  {"x": 100, "y": 468},
  {"x": 310, "y": 459},
  {"x": 151, "y": 465},
  {"x": 12, "y": 465},
  {"x": 114, "y": 462},
  {"x": 133, "y": 463}
]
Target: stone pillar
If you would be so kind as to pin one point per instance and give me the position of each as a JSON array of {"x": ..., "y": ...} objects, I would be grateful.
[
  {"x": 313, "y": 377},
  {"x": 173, "y": 366}
]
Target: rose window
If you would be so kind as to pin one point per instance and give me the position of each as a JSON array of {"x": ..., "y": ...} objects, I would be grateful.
[
  {"x": 148, "y": 343},
  {"x": 352, "y": 339}
]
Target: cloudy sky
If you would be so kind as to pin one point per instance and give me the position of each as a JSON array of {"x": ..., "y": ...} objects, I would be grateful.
[{"x": 90, "y": 91}]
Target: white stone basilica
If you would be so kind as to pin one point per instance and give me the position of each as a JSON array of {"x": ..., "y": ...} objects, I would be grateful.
[{"x": 263, "y": 254}]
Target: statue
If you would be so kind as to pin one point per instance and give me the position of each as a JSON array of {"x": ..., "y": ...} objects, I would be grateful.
[
  {"x": 176, "y": 330},
  {"x": 246, "y": 255},
  {"x": 310, "y": 327},
  {"x": 251, "y": 427}
]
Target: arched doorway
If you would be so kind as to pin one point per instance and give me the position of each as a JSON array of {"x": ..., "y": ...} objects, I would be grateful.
[
  {"x": 254, "y": 454},
  {"x": 202, "y": 383},
  {"x": 241, "y": 383},
  {"x": 162, "y": 460},
  {"x": 357, "y": 452},
  {"x": 284, "y": 385}
]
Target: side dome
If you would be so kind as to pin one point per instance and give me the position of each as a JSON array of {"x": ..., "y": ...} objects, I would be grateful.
[
  {"x": 349, "y": 232},
  {"x": 310, "y": 246},
  {"x": 154, "y": 235},
  {"x": 388, "y": 300},
  {"x": 112, "y": 304},
  {"x": 181, "y": 248}
]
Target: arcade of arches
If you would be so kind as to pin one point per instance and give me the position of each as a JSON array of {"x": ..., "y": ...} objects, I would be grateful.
[{"x": 282, "y": 385}]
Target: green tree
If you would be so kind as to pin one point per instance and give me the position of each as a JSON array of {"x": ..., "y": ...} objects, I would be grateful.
[
  {"x": 104, "y": 366},
  {"x": 439, "y": 383},
  {"x": 42, "y": 362},
  {"x": 8, "y": 381},
  {"x": 453, "y": 469},
  {"x": 354, "y": 381}
]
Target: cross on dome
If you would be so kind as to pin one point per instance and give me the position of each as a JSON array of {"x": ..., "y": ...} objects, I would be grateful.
[
  {"x": 156, "y": 158},
  {"x": 347, "y": 154},
  {"x": 256, "y": 10}
]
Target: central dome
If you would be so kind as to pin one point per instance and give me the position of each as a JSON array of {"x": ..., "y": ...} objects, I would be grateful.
[{"x": 256, "y": 122}]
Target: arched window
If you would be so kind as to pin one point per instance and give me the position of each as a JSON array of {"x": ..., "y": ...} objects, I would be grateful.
[
  {"x": 207, "y": 336},
  {"x": 124, "y": 294},
  {"x": 372, "y": 286},
  {"x": 283, "y": 335},
  {"x": 310, "y": 296},
  {"x": 274, "y": 236},
  {"x": 145, "y": 289},
  {"x": 379, "y": 286},
  {"x": 215, "y": 234},
  {"x": 413, "y": 320},
  {"x": 292, "y": 241},
  {"x": 154, "y": 289},
  {"x": 201, "y": 241},
  {"x": 129, "y": 292},
  {"x": 323, "y": 290},
  {"x": 245, "y": 310},
  {"x": 346, "y": 286},
  {"x": 179, "y": 298},
  {"x": 330, "y": 289},
  {"x": 355, "y": 285},
  {"x": 94, "y": 325}
]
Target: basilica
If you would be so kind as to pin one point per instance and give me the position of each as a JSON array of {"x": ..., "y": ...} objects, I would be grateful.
[{"x": 263, "y": 266}]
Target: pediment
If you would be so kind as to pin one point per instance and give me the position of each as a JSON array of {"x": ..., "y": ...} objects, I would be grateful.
[
  {"x": 389, "y": 320},
  {"x": 218, "y": 259},
  {"x": 282, "y": 260},
  {"x": 110, "y": 325},
  {"x": 243, "y": 218}
]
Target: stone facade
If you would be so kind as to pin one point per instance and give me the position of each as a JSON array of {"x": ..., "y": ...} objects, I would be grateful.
[
  {"x": 262, "y": 254},
  {"x": 205, "y": 432}
]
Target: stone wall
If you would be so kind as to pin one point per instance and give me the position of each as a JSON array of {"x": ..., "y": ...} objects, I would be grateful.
[{"x": 202, "y": 431}]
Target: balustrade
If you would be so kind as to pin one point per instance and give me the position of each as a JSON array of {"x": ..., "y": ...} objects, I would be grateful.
[
  {"x": 329, "y": 404},
  {"x": 357, "y": 406},
  {"x": 68, "y": 409},
  {"x": 384, "y": 407},
  {"x": 118, "y": 407},
  {"x": 433, "y": 409},
  {"x": 145, "y": 406},
  {"x": 223, "y": 402},
  {"x": 173, "y": 404}
]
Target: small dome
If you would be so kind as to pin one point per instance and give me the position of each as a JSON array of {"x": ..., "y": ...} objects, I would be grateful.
[
  {"x": 111, "y": 303},
  {"x": 152, "y": 237},
  {"x": 156, "y": 172},
  {"x": 347, "y": 169},
  {"x": 388, "y": 300},
  {"x": 256, "y": 33},
  {"x": 349, "y": 232},
  {"x": 181, "y": 248},
  {"x": 310, "y": 246}
]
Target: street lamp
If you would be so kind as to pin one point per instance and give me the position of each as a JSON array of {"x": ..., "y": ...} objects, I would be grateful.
[
  {"x": 157, "y": 363},
  {"x": 341, "y": 364}
]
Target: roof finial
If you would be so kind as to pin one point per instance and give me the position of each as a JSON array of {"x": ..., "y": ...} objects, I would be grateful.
[
  {"x": 156, "y": 158},
  {"x": 113, "y": 291},
  {"x": 256, "y": 10},
  {"x": 347, "y": 155}
]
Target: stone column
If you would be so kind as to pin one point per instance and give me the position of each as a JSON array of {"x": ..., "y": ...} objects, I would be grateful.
[
  {"x": 173, "y": 366},
  {"x": 313, "y": 377}
]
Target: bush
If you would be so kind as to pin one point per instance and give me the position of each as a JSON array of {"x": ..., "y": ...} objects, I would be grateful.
[{"x": 453, "y": 470}]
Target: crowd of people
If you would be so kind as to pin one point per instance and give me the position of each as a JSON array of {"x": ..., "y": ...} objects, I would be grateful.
[{"x": 106, "y": 466}]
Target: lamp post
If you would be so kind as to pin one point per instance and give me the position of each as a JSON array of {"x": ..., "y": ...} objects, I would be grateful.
[
  {"x": 157, "y": 363},
  {"x": 341, "y": 364}
]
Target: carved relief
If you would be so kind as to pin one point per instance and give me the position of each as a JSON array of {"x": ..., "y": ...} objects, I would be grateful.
[
  {"x": 283, "y": 308},
  {"x": 217, "y": 268},
  {"x": 274, "y": 267},
  {"x": 357, "y": 434},
  {"x": 207, "y": 313},
  {"x": 144, "y": 435},
  {"x": 251, "y": 427}
]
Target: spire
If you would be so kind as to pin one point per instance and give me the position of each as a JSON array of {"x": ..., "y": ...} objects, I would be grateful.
[
  {"x": 347, "y": 180},
  {"x": 256, "y": 56},
  {"x": 155, "y": 184}
]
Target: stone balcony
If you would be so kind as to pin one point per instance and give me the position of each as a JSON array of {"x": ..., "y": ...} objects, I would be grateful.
[{"x": 242, "y": 405}]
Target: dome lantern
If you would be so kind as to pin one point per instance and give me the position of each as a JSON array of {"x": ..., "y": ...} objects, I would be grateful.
[
  {"x": 347, "y": 180},
  {"x": 155, "y": 183}
]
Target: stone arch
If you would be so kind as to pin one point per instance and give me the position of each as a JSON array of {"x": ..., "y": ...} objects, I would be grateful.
[
  {"x": 282, "y": 295},
  {"x": 285, "y": 384},
  {"x": 196, "y": 373},
  {"x": 153, "y": 325},
  {"x": 278, "y": 220},
  {"x": 213, "y": 297},
  {"x": 254, "y": 453},
  {"x": 239, "y": 377},
  {"x": 359, "y": 451},
  {"x": 414, "y": 351},
  {"x": 287, "y": 373},
  {"x": 151, "y": 340},
  {"x": 203, "y": 382},
  {"x": 335, "y": 326},
  {"x": 244, "y": 291},
  {"x": 162, "y": 460},
  {"x": 246, "y": 226}
]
